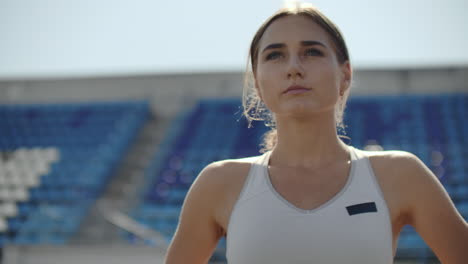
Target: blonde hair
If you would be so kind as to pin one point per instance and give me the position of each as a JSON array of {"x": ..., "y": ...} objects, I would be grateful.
[{"x": 254, "y": 108}]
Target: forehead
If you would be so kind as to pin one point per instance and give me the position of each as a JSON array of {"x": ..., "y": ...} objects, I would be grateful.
[{"x": 291, "y": 29}]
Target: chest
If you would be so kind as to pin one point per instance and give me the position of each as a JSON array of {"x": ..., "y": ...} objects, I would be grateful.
[
  {"x": 269, "y": 238},
  {"x": 306, "y": 189},
  {"x": 261, "y": 230}
]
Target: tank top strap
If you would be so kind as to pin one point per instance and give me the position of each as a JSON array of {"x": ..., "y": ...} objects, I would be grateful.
[
  {"x": 254, "y": 183},
  {"x": 366, "y": 171},
  {"x": 357, "y": 153}
]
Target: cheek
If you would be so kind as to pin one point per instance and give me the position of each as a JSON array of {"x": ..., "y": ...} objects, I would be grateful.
[
  {"x": 329, "y": 79},
  {"x": 266, "y": 81}
]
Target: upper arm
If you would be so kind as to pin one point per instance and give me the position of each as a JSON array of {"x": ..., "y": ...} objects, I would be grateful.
[
  {"x": 197, "y": 233},
  {"x": 432, "y": 213}
]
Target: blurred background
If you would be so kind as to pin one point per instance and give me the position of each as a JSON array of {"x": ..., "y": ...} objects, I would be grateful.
[{"x": 110, "y": 109}]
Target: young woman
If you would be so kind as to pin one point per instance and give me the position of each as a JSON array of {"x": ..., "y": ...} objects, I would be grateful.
[{"x": 310, "y": 198}]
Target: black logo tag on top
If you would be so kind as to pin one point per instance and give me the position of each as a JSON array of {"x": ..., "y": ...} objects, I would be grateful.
[{"x": 361, "y": 208}]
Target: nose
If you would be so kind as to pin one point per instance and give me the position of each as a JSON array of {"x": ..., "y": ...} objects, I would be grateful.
[{"x": 295, "y": 69}]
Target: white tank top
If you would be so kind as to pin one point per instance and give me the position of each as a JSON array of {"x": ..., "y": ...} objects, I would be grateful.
[{"x": 353, "y": 227}]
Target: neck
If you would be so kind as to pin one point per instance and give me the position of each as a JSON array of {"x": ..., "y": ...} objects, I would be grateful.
[{"x": 309, "y": 143}]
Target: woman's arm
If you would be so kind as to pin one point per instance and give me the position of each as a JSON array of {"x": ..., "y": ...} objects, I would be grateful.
[
  {"x": 432, "y": 212},
  {"x": 198, "y": 233}
]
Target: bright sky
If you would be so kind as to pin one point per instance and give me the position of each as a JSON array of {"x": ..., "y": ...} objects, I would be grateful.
[{"x": 65, "y": 38}]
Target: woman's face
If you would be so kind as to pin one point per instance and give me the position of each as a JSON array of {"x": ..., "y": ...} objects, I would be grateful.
[{"x": 297, "y": 70}]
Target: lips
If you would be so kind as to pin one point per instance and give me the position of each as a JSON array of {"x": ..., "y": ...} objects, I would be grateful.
[{"x": 293, "y": 89}]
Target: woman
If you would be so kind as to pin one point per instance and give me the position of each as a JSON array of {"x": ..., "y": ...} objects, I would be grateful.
[{"x": 310, "y": 198}]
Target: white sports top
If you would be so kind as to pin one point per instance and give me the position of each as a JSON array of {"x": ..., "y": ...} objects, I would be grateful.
[{"x": 353, "y": 227}]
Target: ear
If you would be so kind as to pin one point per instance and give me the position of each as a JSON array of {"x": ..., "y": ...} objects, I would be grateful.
[{"x": 347, "y": 74}]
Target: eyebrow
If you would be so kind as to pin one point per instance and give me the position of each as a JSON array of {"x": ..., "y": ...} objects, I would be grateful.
[{"x": 303, "y": 43}]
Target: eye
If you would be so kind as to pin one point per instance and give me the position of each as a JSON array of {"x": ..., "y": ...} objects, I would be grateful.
[
  {"x": 312, "y": 52},
  {"x": 273, "y": 55}
]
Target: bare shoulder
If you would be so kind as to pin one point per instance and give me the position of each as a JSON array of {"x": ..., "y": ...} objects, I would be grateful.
[
  {"x": 389, "y": 157},
  {"x": 223, "y": 181},
  {"x": 401, "y": 168},
  {"x": 216, "y": 180},
  {"x": 427, "y": 205},
  {"x": 203, "y": 215},
  {"x": 397, "y": 168},
  {"x": 395, "y": 172},
  {"x": 405, "y": 175},
  {"x": 396, "y": 164},
  {"x": 225, "y": 172},
  {"x": 215, "y": 184}
]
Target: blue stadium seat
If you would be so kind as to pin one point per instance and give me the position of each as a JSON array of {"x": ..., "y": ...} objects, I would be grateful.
[{"x": 90, "y": 138}]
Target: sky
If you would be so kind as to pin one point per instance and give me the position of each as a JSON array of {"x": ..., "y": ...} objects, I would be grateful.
[{"x": 81, "y": 38}]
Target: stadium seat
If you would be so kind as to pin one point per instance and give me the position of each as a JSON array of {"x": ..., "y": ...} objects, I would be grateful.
[{"x": 56, "y": 160}]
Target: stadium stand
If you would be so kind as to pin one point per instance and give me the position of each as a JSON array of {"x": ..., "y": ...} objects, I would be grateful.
[
  {"x": 430, "y": 126},
  {"x": 55, "y": 161}
]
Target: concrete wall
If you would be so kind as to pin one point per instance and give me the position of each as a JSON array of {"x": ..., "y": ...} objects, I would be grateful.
[{"x": 170, "y": 93}]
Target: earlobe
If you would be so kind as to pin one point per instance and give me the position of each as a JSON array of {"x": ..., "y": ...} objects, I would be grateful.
[
  {"x": 347, "y": 73},
  {"x": 345, "y": 87}
]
